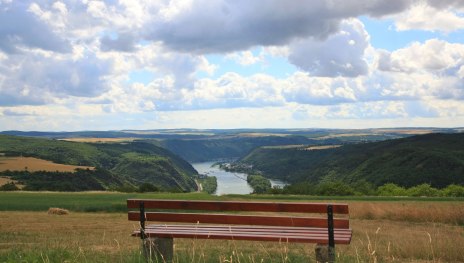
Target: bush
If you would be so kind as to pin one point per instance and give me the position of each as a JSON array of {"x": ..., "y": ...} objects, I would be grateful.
[
  {"x": 125, "y": 188},
  {"x": 453, "y": 190},
  {"x": 147, "y": 187},
  {"x": 209, "y": 184},
  {"x": 259, "y": 184},
  {"x": 391, "y": 190},
  {"x": 9, "y": 187},
  {"x": 303, "y": 188},
  {"x": 363, "y": 187},
  {"x": 334, "y": 188},
  {"x": 423, "y": 190}
]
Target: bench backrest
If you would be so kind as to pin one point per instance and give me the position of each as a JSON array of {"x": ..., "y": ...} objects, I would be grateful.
[{"x": 174, "y": 211}]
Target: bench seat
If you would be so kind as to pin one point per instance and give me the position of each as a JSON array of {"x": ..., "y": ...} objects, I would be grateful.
[
  {"x": 285, "y": 222},
  {"x": 257, "y": 233}
]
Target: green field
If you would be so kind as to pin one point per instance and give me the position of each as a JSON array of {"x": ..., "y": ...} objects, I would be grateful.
[
  {"x": 116, "y": 202},
  {"x": 384, "y": 230}
]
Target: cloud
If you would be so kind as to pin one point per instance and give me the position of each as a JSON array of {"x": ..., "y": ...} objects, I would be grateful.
[
  {"x": 124, "y": 42},
  {"x": 21, "y": 28},
  {"x": 341, "y": 54},
  {"x": 434, "y": 56},
  {"x": 204, "y": 26},
  {"x": 436, "y": 17},
  {"x": 245, "y": 58},
  {"x": 39, "y": 79}
]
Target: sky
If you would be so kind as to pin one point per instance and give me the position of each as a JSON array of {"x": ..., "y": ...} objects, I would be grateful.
[{"x": 135, "y": 64}]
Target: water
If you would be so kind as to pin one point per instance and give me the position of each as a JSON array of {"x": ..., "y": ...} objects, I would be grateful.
[{"x": 228, "y": 182}]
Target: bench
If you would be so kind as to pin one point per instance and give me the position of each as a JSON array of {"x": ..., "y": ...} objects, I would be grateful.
[{"x": 226, "y": 220}]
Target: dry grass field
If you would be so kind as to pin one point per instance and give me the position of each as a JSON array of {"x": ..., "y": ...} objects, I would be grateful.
[
  {"x": 99, "y": 140},
  {"x": 33, "y": 164},
  {"x": 392, "y": 232}
]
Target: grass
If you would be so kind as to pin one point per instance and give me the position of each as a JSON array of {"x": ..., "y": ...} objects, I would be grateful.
[
  {"x": 103, "y": 237},
  {"x": 99, "y": 140},
  {"x": 34, "y": 164},
  {"x": 384, "y": 231}
]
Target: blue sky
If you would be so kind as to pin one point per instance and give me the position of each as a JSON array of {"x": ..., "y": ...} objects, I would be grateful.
[{"x": 110, "y": 65}]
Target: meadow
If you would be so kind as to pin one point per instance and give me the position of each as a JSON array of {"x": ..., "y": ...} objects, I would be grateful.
[
  {"x": 97, "y": 230},
  {"x": 34, "y": 164}
]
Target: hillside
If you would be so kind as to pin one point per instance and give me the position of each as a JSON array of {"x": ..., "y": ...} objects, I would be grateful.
[
  {"x": 436, "y": 159},
  {"x": 230, "y": 146},
  {"x": 118, "y": 164}
]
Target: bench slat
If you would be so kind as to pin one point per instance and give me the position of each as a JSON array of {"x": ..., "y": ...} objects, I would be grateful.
[
  {"x": 238, "y": 206},
  {"x": 237, "y": 230},
  {"x": 237, "y": 235},
  {"x": 247, "y": 228},
  {"x": 238, "y": 219}
]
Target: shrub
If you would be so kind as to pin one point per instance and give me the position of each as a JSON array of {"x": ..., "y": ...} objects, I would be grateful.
[
  {"x": 334, "y": 188},
  {"x": 423, "y": 190},
  {"x": 259, "y": 184},
  {"x": 303, "y": 188},
  {"x": 209, "y": 184},
  {"x": 391, "y": 190},
  {"x": 453, "y": 190},
  {"x": 9, "y": 187},
  {"x": 147, "y": 187},
  {"x": 363, "y": 187}
]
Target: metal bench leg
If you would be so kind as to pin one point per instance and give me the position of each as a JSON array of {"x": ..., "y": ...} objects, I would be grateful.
[
  {"x": 159, "y": 250},
  {"x": 326, "y": 253}
]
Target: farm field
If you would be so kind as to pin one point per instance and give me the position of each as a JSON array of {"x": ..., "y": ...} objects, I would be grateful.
[
  {"x": 384, "y": 231},
  {"x": 99, "y": 140},
  {"x": 34, "y": 164}
]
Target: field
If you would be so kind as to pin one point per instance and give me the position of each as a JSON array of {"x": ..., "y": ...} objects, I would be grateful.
[
  {"x": 395, "y": 230},
  {"x": 33, "y": 164},
  {"x": 99, "y": 140}
]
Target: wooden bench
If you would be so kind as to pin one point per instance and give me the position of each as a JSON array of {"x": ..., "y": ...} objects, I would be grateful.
[{"x": 285, "y": 224}]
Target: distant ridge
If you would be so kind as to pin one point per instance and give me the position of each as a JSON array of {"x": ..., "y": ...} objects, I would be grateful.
[{"x": 436, "y": 159}]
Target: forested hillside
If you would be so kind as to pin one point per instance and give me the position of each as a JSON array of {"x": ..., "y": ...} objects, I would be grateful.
[
  {"x": 230, "y": 147},
  {"x": 435, "y": 159},
  {"x": 118, "y": 164}
]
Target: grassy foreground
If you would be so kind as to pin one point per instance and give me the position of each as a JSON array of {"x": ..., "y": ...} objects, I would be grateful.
[{"x": 384, "y": 231}]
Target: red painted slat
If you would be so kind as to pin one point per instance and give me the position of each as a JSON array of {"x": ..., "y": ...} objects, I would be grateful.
[
  {"x": 238, "y": 206},
  {"x": 233, "y": 236},
  {"x": 238, "y": 219},
  {"x": 250, "y": 229},
  {"x": 242, "y": 232}
]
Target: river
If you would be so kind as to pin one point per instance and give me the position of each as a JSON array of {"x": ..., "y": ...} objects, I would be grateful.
[{"x": 228, "y": 182}]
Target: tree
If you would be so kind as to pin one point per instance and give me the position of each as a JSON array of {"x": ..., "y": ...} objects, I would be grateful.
[
  {"x": 147, "y": 187},
  {"x": 423, "y": 190},
  {"x": 391, "y": 190},
  {"x": 453, "y": 190},
  {"x": 9, "y": 187}
]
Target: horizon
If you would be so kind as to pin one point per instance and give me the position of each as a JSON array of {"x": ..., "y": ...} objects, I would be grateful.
[
  {"x": 143, "y": 65},
  {"x": 243, "y": 129}
]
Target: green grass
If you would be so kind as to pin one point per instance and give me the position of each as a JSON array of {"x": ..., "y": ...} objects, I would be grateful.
[
  {"x": 82, "y": 201},
  {"x": 398, "y": 229},
  {"x": 116, "y": 202}
]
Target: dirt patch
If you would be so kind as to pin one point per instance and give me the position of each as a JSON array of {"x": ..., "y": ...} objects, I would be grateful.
[
  {"x": 34, "y": 164},
  {"x": 322, "y": 147},
  {"x": 99, "y": 140}
]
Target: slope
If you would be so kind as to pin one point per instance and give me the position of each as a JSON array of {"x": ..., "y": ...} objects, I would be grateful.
[
  {"x": 168, "y": 172},
  {"x": 436, "y": 159}
]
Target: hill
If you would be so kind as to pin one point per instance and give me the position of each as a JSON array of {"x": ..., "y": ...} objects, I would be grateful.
[
  {"x": 118, "y": 164},
  {"x": 436, "y": 159}
]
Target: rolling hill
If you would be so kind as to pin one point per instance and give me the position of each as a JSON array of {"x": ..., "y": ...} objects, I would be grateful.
[
  {"x": 436, "y": 159},
  {"x": 118, "y": 164}
]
